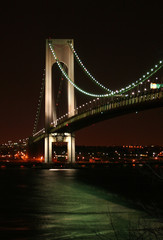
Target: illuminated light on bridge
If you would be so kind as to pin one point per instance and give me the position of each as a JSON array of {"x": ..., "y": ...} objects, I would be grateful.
[{"x": 156, "y": 85}]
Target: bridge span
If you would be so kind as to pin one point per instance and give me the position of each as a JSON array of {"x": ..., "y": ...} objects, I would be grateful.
[
  {"x": 134, "y": 97},
  {"x": 89, "y": 115}
]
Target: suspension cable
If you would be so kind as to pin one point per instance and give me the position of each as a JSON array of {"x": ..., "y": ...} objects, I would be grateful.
[
  {"x": 67, "y": 77},
  {"x": 39, "y": 104},
  {"x": 141, "y": 80},
  {"x": 156, "y": 68},
  {"x": 86, "y": 70}
]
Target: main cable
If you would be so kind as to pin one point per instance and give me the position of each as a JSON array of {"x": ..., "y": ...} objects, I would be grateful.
[
  {"x": 150, "y": 73},
  {"x": 67, "y": 77},
  {"x": 86, "y": 70},
  {"x": 156, "y": 68}
]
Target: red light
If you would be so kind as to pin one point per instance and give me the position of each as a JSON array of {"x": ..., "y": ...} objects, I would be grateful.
[{"x": 3, "y": 166}]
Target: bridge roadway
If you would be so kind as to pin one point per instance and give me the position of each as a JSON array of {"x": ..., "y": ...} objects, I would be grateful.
[{"x": 106, "y": 111}]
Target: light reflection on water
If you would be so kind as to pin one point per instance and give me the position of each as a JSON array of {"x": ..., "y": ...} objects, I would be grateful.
[{"x": 43, "y": 204}]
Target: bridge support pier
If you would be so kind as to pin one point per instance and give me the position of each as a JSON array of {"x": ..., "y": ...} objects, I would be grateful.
[
  {"x": 71, "y": 148},
  {"x": 48, "y": 141},
  {"x": 48, "y": 148}
]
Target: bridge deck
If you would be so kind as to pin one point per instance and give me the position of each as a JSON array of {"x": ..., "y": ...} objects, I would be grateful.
[{"x": 106, "y": 111}]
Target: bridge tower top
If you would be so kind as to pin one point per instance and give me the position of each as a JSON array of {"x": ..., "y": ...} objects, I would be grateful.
[{"x": 65, "y": 55}]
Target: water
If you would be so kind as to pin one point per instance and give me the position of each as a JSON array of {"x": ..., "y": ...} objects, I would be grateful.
[{"x": 60, "y": 204}]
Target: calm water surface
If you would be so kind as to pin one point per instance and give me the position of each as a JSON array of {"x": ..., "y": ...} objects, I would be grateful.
[{"x": 43, "y": 204}]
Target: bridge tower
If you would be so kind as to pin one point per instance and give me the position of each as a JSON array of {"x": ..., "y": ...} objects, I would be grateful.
[{"x": 65, "y": 55}]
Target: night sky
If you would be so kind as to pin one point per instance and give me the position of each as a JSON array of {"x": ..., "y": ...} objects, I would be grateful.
[{"x": 118, "y": 41}]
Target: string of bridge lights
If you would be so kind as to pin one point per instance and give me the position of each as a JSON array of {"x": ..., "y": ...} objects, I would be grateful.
[
  {"x": 67, "y": 77},
  {"x": 122, "y": 90},
  {"x": 89, "y": 106},
  {"x": 141, "y": 80},
  {"x": 86, "y": 70}
]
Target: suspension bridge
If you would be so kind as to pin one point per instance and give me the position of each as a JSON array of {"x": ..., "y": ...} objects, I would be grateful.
[{"x": 145, "y": 93}]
